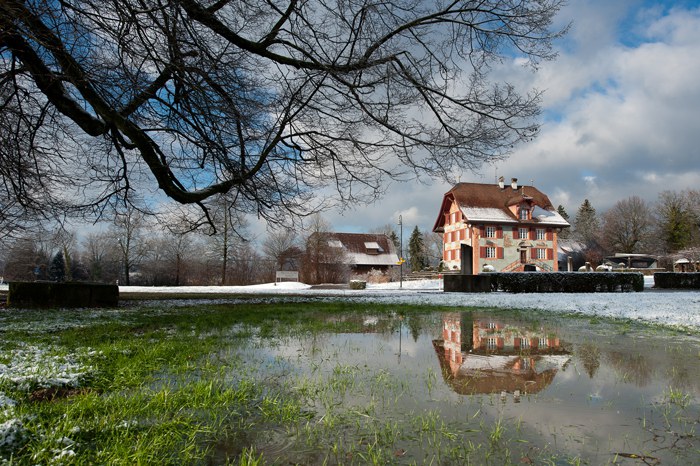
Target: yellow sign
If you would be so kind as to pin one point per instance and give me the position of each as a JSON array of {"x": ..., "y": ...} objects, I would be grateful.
[{"x": 401, "y": 261}]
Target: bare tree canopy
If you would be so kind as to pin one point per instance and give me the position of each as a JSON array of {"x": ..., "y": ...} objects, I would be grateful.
[
  {"x": 628, "y": 226},
  {"x": 262, "y": 100}
]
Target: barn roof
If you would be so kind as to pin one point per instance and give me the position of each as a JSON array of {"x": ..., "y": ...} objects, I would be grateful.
[{"x": 366, "y": 248}]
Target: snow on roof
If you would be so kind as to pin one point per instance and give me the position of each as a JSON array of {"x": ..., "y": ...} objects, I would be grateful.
[
  {"x": 334, "y": 243},
  {"x": 549, "y": 217},
  {"x": 372, "y": 259},
  {"x": 486, "y": 214},
  {"x": 373, "y": 245}
]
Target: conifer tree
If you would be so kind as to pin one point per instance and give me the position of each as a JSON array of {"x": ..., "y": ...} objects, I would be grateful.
[
  {"x": 394, "y": 239},
  {"x": 416, "y": 250},
  {"x": 565, "y": 232},
  {"x": 57, "y": 269},
  {"x": 586, "y": 224},
  {"x": 676, "y": 221}
]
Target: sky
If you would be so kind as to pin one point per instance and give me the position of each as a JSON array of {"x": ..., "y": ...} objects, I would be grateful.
[{"x": 621, "y": 117}]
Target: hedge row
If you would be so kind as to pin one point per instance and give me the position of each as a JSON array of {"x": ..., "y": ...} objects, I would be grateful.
[
  {"x": 567, "y": 282},
  {"x": 50, "y": 294},
  {"x": 677, "y": 280}
]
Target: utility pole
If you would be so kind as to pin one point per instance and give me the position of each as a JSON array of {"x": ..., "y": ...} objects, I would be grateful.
[{"x": 401, "y": 260}]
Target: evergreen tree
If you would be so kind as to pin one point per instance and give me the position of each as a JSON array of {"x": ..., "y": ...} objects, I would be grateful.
[
  {"x": 394, "y": 239},
  {"x": 676, "y": 221},
  {"x": 586, "y": 224},
  {"x": 416, "y": 250},
  {"x": 57, "y": 269},
  {"x": 565, "y": 232}
]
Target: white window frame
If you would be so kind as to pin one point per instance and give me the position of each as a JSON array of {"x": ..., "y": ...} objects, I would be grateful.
[
  {"x": 541, "y": 233},
  {"x": 492, "y": 343},
  {"x": 524, "y": 213},
  {"x": 490, "y": 252},
  {"x": 543, "y": 342},
  {"x": 541, "y": 254},
  {"x": 523, "y": 233},
  {"x": 524, "y": 342},
  {"x": 490, "y": 232}
]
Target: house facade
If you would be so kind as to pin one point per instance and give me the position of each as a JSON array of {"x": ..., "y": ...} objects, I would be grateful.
[{"x": 494, "y": 227}]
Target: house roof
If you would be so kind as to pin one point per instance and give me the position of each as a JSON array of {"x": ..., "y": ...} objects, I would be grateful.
[
  {"x": 489, "y": 203},
  {"x": 366, "y": 248}
]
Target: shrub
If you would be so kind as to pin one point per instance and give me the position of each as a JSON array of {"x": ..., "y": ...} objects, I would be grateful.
[
  {"x": 358, "y": 284},
  {"x": 567, "y": 282},
  {"x": 677, "y": 280}
]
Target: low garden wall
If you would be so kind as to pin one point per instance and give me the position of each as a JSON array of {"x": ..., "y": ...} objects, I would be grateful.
[
  {"x": 675, "y": 280},
  {"x": 566, "y": 282},
  {"x": 50, "y": 294}
]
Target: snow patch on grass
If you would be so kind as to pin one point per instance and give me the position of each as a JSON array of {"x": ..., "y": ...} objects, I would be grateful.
[{"x": 30, "y": 367}]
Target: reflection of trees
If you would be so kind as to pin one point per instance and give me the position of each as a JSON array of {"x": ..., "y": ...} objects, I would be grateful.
[
  {"x": 633, "y": 367},
  {"x": 416, "y": 326},
  {"x": 589, "y": 355}
]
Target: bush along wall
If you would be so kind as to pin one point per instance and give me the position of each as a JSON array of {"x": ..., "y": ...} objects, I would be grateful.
[
  {"x": 677, "y": 280},
  {"x": 49, "y": 294},
  {"x": 567, "y": 282}
]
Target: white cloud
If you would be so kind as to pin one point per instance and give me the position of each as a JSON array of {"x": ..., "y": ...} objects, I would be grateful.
[{"x": 621, "y": 116}]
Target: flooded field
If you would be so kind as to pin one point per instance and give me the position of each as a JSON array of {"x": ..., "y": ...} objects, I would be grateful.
[{"x": 320, "y": 383}]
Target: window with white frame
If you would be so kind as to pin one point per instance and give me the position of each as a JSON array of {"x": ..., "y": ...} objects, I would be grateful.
[
  {"x": 541, "y": 234},
  {"x": 524, "y": 213},
  {"x": 490, "y": 252},
  {"x": 492, "y": 343},
  {"x": 522, "y": 233},
  {"x": 543, "y": 342},
  {"x": 490, "y": 232},
  {"x": 524, "y": 343},
  {"x": 541, "y": 253}
]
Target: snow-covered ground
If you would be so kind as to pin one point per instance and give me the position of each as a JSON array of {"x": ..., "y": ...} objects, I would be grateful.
[{"x": 675, "y": 308}]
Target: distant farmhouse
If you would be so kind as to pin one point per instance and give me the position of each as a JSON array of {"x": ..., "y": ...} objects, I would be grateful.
[
  {"x": 364, "y": 252},
  {"x": 498, "y": 228}
]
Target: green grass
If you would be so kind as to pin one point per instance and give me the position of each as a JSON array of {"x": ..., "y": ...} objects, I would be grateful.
[{"x": 250, "y": 384}]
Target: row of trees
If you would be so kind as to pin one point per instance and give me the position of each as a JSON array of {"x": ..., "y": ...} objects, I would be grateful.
[
  {"x": 669, "y": 226},
  {"x": 134, "y": 250},
  {"x": 137, "y": 249}
]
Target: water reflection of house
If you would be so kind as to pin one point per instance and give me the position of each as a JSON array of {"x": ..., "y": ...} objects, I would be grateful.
[{"x": 481, "y": 354}]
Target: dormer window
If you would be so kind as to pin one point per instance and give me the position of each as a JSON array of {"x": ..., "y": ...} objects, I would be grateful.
[
  {"x": 373, "y": 248},
  {"x": 524, "y": 213}
]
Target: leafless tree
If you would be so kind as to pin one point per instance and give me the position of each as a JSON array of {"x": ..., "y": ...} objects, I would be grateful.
[
  {"x": 102, "y": 257},
  {"x": 128, "y": 234},
  {"x": 28, "y": 257},
  {"x": 281, "y": 247},
  {"x": 263, "y": 100},
  {"x": 628, "y": 226},
  {"x": 434, "y": 247}
]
